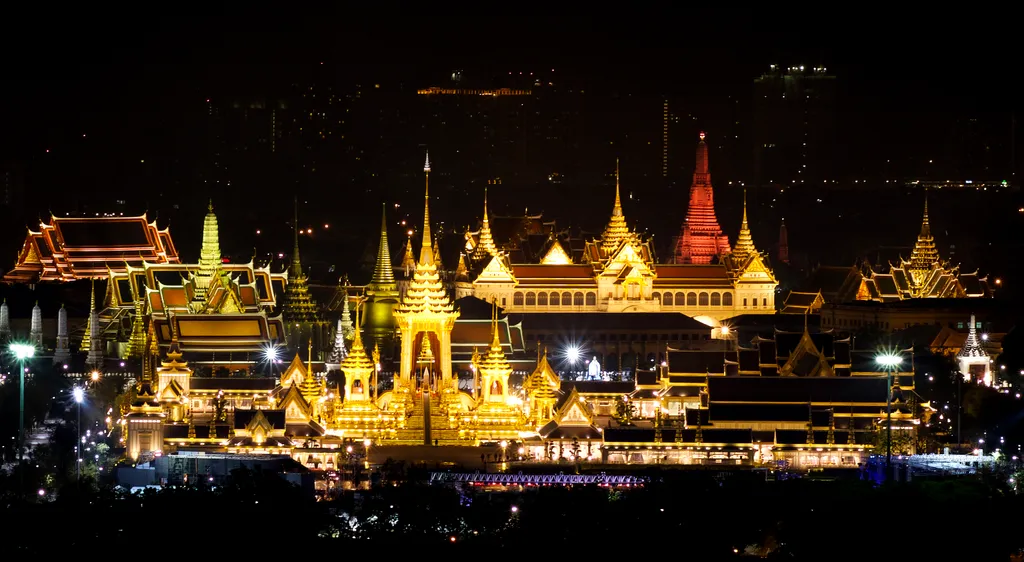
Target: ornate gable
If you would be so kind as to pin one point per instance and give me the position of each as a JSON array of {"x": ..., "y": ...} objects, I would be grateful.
[
  {"x": 495, "y": 272},
  {"x": 627, "y": 260},
  {"x": 295, "y": 374},
  {"x": 806, "y": 361},
  {"x": 755, "y": 271},
  {"x": 296, "y": 408},
  {"x": 556, "y": 255},
  {"x": 574, "y": 412}
]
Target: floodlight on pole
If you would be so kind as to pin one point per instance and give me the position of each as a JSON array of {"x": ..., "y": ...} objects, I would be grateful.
[
  {"x": 78, "y": 393},
  {"x": 889, "y": 362},
  {"x": 22, "y": 352}
]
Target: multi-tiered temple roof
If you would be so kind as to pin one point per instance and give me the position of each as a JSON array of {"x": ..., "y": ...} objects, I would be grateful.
[
  {"x": 426, "y": 292},
  {"x": 298, "y": 303},
  {"x": 70, "y": 248},
  {"x": 924, "y": 275},
  {"x": 701, "y": 239}
]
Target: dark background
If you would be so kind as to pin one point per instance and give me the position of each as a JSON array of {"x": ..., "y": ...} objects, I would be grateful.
[{"x": 103, "y": 113}]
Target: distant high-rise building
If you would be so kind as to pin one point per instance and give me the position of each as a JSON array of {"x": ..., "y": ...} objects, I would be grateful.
[{"x": 793, "y": 126}]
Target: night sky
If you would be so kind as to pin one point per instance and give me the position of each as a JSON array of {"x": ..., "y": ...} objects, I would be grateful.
[{"x": 131, "y": 88}]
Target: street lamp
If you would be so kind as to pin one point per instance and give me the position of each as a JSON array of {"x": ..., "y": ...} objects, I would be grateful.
[
  {"x": 22, "y": 352},
  {"x": 888, "y": 361},
  {"x": 79, "y": 394}
]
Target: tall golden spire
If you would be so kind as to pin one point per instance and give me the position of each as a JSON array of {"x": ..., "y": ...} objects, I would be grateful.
[
  {"x": 299, "y": 306},
  {"x": 408, "y": 260},
  {"x": 296, "y": 265},
  {"x": 209, "y": 254},
  {"x": 485, "y": 240},
  {"x": 616, "y": 231},
  {"x": 357, "y": 365},
  {"x": 427, "y": 248},
  {"x": 744, "y": 243},
  {"x": 87, "y": 338},
  {"x": 137, "y": 341},
  {"x": 383, "y": 271},
  {"x": 924, "y": 255}
]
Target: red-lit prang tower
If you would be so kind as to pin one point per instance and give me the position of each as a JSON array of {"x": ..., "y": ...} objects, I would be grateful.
[{"x": 701, "y": 237}]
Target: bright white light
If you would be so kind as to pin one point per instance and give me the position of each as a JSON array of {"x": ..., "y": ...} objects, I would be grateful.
[
  {"x": 22, "y": 351},
  {"x": 95, "y": 375},
  {"x": 270, "y": 353},
  {"x": 725, "y": 330},
  {"x": 889, "y": 360},
  {"x": 984, "y": 337},
  {"x": 42, "y": 492},
  {"x": 79, "y": 394},
  {"x": 515, "y": 509},
  {"x": 572, "y": 354}
]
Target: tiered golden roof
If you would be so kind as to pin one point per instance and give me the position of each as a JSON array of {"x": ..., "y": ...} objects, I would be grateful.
[
  {"x": 744, "y": 247},
  {"x": 357, "y": 361},
  {"x": 426, "y": 292},
  {"x": 542, "y": 387},
  {"x": 210, "y": 274},
  {"x": 924, "y": 256},
  {"x": 298, "y": 304},
  {"x": 485, "y": 240},
  {"x": 310, "y": 387},
  {"x": 617, "y": 230}
]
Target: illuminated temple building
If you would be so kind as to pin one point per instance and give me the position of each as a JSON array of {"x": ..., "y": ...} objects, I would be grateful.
[
  {"x": 800, "y": 399},
  {"x": 618, "y": 273},
  {"x": 299, "y": 414},
  {"x": 220, "y": 313},
  {"x": 701, "y": 239},
  {"x": 924, "y": 276},
  {"x": 72, "y": 248}
]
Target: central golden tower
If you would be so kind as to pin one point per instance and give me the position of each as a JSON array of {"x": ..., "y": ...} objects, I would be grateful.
[{"x": 426, "y": 311}]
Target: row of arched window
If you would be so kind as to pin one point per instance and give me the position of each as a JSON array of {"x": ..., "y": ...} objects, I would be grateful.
[
  {"x": 554, "y": 298},
  {"x": 694, "y": 299}
]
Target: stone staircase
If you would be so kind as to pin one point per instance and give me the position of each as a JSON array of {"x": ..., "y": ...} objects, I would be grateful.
[{"x": 427, "y": 423}]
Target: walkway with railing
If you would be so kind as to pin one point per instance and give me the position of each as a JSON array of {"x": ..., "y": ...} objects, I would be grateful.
[{"x": 520, "y": 479}]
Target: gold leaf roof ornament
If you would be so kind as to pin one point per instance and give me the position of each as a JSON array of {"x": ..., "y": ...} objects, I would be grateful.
[{"x": 616, "y": 231}]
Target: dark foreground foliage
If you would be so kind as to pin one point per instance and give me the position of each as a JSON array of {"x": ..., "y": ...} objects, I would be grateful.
[{"x": 693, "y": 515}]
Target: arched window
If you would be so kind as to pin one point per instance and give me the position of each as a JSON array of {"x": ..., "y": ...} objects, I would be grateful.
[
  {"x": 531, "y": 299},
  {"x": 566, "y": 299},
  {"x": 517, "y": 299},
  {"x": 656, "y": 296},
  {"x": 726, "y": 299},
  {"x": 496, "y": 387},
  {"x": 716, "y": 299},
  {"x": 542, "y": 299},
  {"x": 591, "y": 299},
  {"x": 554, "y": 299},
  {"x": 577, "y": 299},
  {"x": 691, "y": 299},
  {"x": 667, "y": 299},
  {"x": 679, "y": 299},
  {"x": 702, "y": 300}
]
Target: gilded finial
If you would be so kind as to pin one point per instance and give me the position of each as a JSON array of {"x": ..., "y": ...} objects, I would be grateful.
[
  {"x": 210, "y": 207},
  {"x": 426, "y": 163}
]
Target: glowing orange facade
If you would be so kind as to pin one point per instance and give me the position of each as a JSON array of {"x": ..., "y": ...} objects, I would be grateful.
[
  {"x": 72, "y": 248},
  {"x": 701, "y": 238}
]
